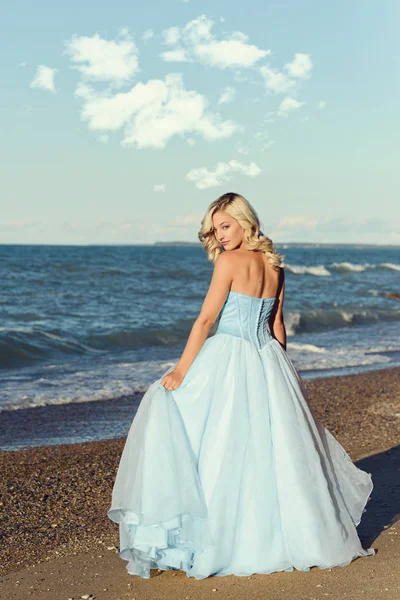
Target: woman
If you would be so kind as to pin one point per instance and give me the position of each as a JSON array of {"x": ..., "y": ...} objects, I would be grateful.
[{"x": 225, "y": 469}]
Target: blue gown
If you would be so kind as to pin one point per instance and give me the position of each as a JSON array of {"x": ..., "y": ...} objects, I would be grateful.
[{"x": 230, "y": 473}]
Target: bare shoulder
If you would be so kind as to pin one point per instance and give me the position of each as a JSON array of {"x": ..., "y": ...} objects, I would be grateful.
[{"x": 225, "y": 260}]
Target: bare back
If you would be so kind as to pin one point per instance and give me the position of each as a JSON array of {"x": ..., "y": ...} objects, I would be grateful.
[{"x": 254, "y": 276}]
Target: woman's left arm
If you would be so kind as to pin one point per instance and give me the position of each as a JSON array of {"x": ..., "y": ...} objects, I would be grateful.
[{"x": 213, "y": 302}]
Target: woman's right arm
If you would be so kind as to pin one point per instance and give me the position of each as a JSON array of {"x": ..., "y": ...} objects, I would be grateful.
[{"x": 278, "y": 326}]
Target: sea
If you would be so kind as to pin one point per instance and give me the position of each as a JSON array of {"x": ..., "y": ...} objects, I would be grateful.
[{"x": 85, "y": 330}]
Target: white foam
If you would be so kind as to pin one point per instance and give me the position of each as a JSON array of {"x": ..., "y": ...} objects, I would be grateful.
[
  {"x": 347, "y": 266},
  {"x": 322, "y": 271},
  {"x": 102, "y": 381},
  {"x": 305, "y": 347},
  {"x": 347, "y": 316},
  {"x": 317, "y": 270},
  {"x": 335, "y": 358},
  {"x": 391, "y": 266},
  {"x": 384, "y": 348},
  {"x": 292, "y": 321}
]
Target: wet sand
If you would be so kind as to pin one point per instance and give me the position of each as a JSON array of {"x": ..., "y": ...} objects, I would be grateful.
[{"x": 57, "y": 542}]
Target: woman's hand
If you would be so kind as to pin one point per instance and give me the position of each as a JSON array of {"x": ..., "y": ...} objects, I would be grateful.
[{"x": 172, "y": 380}]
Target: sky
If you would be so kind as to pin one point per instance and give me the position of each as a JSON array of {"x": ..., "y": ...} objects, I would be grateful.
[{"x": 122, "y": 121}]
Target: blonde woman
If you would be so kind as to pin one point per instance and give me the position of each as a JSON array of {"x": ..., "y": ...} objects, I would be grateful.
[{"x": 225, "y": 470}]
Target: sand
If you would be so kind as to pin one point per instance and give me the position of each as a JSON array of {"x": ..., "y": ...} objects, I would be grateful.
[{"x": 58, "y": 543}]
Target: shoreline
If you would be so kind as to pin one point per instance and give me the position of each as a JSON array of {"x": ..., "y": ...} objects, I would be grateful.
[
  {"x": 54, "y": 498},
  {"x": 106, "y": 420}
]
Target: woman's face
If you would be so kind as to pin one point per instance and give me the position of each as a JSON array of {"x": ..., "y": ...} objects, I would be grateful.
[{"x": 227, "y": 230}]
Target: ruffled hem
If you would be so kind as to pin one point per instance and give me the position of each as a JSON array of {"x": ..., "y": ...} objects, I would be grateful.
[
  {"x": 169, "y": 544},
  {"x": 176, "y": 543}
]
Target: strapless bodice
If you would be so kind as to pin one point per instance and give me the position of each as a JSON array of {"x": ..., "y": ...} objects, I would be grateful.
[{"x": 246, "y": 317}]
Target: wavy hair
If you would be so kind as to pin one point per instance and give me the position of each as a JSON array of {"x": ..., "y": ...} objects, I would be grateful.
[{"x": 240, "y": 209}]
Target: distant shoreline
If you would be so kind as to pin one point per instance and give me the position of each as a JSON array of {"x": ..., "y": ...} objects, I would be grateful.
[{"x": 198, "y": 244}]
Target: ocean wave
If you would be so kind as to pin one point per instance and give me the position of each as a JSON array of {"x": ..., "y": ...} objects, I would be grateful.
[
  {"x": 76, "y": 382},
  {"x": 347, "y": 266},
  {"x": 38, "y": 401},
  {"x": 391, "y": 266},
  {"x": 338, "y": 267},
  {"x": 318, "y": 270},
  {"x": 334, "y": 317},
  {"x": 305, "y": 347},
  {"x": 338, "y": 359},
  {"x": 26, "y": 345},
  {"x": 137, "y": 338}
]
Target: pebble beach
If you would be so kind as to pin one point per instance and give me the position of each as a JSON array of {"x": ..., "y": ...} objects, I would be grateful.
[{"x": 58, "y": 543}]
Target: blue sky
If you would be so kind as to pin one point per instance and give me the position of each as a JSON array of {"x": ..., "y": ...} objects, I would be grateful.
[{"x": 122, "y": 121}]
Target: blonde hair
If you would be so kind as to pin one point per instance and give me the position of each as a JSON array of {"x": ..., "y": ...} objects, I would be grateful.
[{"x": 240, "y": 209}]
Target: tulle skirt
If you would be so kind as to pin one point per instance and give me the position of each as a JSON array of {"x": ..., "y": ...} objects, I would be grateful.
[{"x": 232, "y": 474}]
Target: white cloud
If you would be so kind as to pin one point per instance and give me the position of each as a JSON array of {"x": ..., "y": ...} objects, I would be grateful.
[
  {"x": 147, "y": 35},
  {"x": 200, "y": 43},
  {"x": 263, "y": 138},
  {"x": 268, "y": 117},
  {"x": 275, "y": 81},
  {"x": 176, "y": 55},
  {"x": 203, "y": 178},
  {"x": 321, "y": 104},
  {"x": 151, "y": 113},
  {"x": 44, "y": 79},
  {"x": 23, "y": 64},
  {"x": 171, "y": 36},
  {"x": 280, "y": 83},
  {"x": 287, "y": 105},
  {"x": 97, "y": 59},
  {"x": 227, "y": 95},
  {"x": 228, "y": 53},
  {"x": 103, "y": 138},
  {"x": 159, "y": 187},
  {"x": 241, "y": 148},
  {"x": 198, "y": 30},
  {"x": 300, "y": 67}
]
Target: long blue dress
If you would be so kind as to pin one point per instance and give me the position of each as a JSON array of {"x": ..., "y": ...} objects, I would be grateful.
[{"x": 230, "y": 473}]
